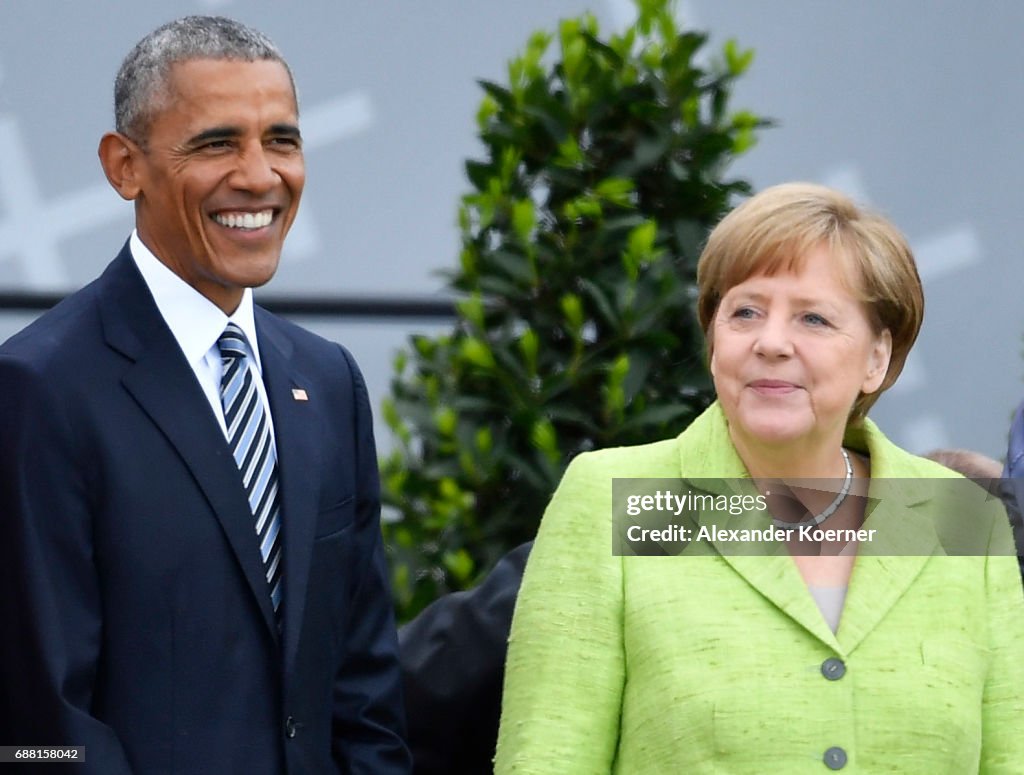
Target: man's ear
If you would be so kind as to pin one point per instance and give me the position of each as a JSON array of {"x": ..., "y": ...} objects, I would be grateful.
[{"x": 120, "y": 158}]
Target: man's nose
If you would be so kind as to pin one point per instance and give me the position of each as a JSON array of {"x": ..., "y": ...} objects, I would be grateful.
[{"x": 254, "y": 171}]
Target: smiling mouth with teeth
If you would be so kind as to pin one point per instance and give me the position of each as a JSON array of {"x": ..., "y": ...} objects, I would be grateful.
[{"x": 245, "y": 220}]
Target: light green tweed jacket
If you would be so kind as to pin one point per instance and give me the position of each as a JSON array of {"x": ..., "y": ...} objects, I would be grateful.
[{"x": 714, "y": 664}]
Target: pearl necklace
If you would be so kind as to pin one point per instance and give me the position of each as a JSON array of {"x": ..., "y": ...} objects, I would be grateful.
[{"x": 831, "y": 509}]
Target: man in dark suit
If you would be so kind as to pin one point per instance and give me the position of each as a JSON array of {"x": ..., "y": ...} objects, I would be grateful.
[{"x": 192, "y": 577}]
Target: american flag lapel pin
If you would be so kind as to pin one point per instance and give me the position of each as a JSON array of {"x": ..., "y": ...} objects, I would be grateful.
[{"x": 299, "y": 394}]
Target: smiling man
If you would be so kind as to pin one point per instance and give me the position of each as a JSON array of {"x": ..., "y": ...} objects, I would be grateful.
[{"x": 194, "y": 578}]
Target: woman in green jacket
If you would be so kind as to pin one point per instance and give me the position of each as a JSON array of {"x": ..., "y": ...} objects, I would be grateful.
[{"x": 879, "y": 654}]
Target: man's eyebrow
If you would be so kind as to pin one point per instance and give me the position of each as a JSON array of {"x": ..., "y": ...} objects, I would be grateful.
[
  {"x": 230, "y": 133},
  {"x": 215, "y": 133},
  {"x": 286, "y": 130}
]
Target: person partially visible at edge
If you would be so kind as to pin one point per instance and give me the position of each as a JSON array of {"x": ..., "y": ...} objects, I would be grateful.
[
  {"x": 1013, "y": 480},
  {"x": 823, "y": 657},
  {"x": 989, "y": 473},
  {"x": 973, "y": 465},
  {"x": 1014, "y": 467},
  {"x": 453, "y": 659},
  {"x": 193, "y": 572},
  {"x": 985, "y": 471}
]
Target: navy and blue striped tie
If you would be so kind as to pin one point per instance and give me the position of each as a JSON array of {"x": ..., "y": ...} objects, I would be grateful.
[{"x": 253, "y": 447}]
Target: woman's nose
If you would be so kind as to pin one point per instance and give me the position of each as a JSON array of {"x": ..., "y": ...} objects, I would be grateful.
[{"x": 774, "y": 338}]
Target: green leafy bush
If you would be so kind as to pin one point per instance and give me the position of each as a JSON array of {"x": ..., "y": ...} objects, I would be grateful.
[{"x": 602, "y": 174}]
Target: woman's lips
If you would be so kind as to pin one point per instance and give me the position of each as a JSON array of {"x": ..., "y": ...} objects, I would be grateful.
[{"x": 773, "y": 387}]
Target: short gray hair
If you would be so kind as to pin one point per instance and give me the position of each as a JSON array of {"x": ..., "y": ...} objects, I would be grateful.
[{"x": 142, "y": 79}]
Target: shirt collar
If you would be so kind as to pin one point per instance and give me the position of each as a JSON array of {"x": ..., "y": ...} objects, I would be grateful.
[{"x": 195, "y": 321}]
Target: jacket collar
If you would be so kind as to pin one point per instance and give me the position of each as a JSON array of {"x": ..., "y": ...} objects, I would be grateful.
[
  {"x": 707, "y": 452},
  {"x": 883, "y": 571}
]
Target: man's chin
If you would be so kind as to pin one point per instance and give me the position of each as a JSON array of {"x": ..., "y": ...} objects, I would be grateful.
[{"x": 253, "y": 272}]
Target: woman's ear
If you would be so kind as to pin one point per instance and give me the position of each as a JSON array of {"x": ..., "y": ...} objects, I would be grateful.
[
  {"x": 120, "y": 158},
  {"x": 878, "y": 362}
]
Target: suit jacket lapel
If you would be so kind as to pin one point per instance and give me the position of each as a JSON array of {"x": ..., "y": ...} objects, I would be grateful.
[
  {"x": 904, "y": 542},
  {"x": 777, "y": 579},
  {"x": 768, "y": 568},
  {"x": 709, "y": 461},
  {"x": 884, "y": 569},
  {"x": 163, "y": 384},
  {"x": 296, "y": 434}
]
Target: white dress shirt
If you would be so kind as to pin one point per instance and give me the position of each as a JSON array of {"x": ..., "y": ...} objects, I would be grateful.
[{"x": 197, "y": 323}]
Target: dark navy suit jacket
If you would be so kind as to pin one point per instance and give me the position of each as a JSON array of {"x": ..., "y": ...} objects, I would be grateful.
[{"x": 135, "y": 618}]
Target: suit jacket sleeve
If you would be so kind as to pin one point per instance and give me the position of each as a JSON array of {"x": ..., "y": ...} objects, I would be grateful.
[
  {"x": 368, "y": 718},
  {"x": 453, "y": 662},
  {"x": 49, "y": 595},
  {"x": 565, "y": 671}
]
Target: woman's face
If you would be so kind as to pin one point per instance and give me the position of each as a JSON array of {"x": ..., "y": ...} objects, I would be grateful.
[{"x": 792, "y": 353}]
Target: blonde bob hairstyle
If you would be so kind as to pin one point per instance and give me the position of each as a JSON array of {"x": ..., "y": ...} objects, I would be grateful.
[{"x": 775, "y": 230}]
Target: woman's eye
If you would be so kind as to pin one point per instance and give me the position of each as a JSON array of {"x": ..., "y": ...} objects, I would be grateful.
[
  {"x": 744, "y": 313},
  {"x": 814, "y": 319}
]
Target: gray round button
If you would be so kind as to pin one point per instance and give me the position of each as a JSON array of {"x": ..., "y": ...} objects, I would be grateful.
[
  {"x": 833, "y": 669},
  {"x": 835, "y": 758}
]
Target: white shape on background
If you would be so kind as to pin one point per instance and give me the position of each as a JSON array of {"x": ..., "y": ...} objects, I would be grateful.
[
  {"x": 925, "y": 433},
  {"x": 326, "y": 123},
  {"x": 947, "y": 252},
  {"x": 336, "y": 119},
  {"x": 847, "y": 178},
  {"x": 913, "y": 377},
  {"x": 937, "y": 255},
  {"x": 303, "y": 239},
  {"x": 31, "y": 229}
]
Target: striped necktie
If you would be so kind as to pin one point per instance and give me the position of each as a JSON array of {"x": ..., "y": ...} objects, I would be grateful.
[{"x": 253, "y": 447}]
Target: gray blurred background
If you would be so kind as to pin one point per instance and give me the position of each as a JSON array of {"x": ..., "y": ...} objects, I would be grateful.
[{"x": 915, "y": 107}]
